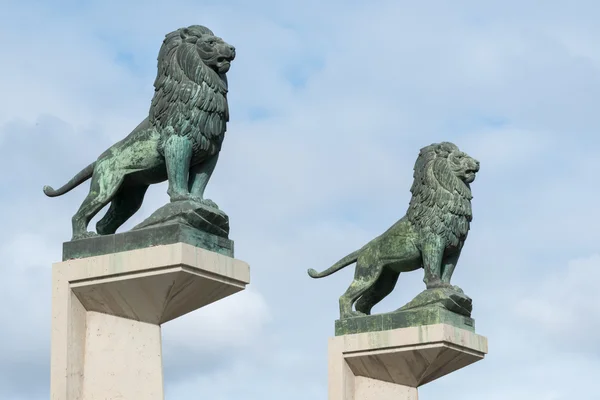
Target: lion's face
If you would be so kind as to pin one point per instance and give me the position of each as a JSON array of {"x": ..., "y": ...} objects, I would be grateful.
[
  {"x": 215, "y": 52},
  {"x": 464, "y": 166}
]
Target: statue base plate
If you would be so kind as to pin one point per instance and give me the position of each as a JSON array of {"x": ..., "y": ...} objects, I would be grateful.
[
  {"x": 196, "y": 215},
  {"x": 144, "y": 238},
  {"x": 451, "y": 299},
  {"x": 403, "y": 319}
]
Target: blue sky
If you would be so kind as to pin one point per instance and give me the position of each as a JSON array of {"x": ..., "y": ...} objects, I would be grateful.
[{"x": 330, "y": 103}]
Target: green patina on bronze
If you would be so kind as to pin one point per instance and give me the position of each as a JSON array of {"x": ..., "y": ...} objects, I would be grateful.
[
  {"x": 430, "y": 236},
  {"x": 179, "y": 141},
  {"x": 144, "y": 238}
]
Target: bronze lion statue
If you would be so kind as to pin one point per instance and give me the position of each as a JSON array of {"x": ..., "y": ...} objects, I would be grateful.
[
  {"x": 179, "y": 141},
  {"x": 430, "y": 235}
]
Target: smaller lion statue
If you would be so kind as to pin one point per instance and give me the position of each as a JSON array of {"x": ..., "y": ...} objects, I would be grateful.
[
  {"x": 430, "y": 236},
  {"x": 178, "y": 141}
]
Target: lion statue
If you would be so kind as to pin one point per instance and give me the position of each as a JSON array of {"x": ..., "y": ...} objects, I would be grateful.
[
  {"x": 179, "y": 141},
  {"x": 430, "y": 235}
]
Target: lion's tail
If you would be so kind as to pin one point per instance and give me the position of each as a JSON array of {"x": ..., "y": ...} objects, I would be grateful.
[
  {"x": 77, "y": 180},
  {"x": 344, "y": 262}
]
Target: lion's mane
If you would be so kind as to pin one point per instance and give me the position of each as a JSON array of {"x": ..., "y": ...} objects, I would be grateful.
[
  {"x": 190, "y": 99},
  {"x": 441, "y": 202}
]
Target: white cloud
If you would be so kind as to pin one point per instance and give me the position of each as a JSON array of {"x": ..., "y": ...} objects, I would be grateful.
[
  {"x": 566, "y": 304},
  {"x": 232, "y": 323},
  {"x": 210, "y": 340},
  {"x": 25, "y": 288}
]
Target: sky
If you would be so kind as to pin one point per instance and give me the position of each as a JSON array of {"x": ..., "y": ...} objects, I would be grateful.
[{"x": 330, "y": 103}]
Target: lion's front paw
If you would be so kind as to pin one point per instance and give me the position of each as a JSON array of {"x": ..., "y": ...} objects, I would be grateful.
[
  {"x": 180, "y": 197},
  {"x": 206, "y": 202},
  {"x": 84, "y": 235},
  {"x": 457, "y": 289},
  {"x": 353, "y": 314},
  {"x": 437, "y": 284}
]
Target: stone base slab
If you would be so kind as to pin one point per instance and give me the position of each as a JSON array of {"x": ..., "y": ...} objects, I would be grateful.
[
  {"x": 144, "y": 238},
  {"x": 391, "y": 365},
  {"x": 403, "y": 319},
  {"x": 107, "y": 311}
]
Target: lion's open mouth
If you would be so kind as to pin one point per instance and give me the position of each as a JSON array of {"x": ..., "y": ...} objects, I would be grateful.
[{"x": 223, "y": 64}]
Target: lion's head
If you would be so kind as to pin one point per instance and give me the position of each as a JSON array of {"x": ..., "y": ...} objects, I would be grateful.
[
  {"x": 464, "y": 166},
  {"x": 193, "y": 47},
  {"x": 190, "y": 95},
  {"x": 441, "y": 192},
  {"x": 214, "y": 51}
]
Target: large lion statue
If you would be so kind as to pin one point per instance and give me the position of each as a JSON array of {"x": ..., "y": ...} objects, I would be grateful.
[
  {"x": 430, "y": 235},
  {"x": 179, "y": 141}
]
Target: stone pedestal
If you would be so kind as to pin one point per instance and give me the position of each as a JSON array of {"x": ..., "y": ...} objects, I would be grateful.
[
  {"x": 107, "y": 311},
  {"x": 392, "y": 364}
]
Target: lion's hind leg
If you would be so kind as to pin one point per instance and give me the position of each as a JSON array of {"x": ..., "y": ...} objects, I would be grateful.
[
  {"x": 382, "y": 287},
  {"x": 125, "y": 203},
  {"x": 106, "y": 182},
  {"x": 365, "y": 277}
]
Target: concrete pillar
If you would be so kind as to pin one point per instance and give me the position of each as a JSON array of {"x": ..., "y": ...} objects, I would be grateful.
[
  {"x": 107, "y": 311},
  {"x": 392, "y": 364}
]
